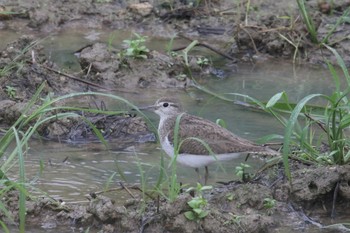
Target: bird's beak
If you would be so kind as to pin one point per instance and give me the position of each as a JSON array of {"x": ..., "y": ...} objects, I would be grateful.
[{"x": 150, "y": 108}]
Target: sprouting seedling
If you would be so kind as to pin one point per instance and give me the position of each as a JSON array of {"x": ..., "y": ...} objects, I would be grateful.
[
  {"x": 11, "y": 92},
  {"x": 198, "y": 204},
  {"x": 135, "y": 47},
  {"x": 241, "y": 171}
]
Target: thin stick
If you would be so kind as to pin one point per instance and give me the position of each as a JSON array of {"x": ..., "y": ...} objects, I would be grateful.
[{"x": 124, "y": 187}]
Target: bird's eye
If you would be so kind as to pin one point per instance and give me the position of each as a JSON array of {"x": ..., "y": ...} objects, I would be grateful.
[{"x": 165, "y": 105}]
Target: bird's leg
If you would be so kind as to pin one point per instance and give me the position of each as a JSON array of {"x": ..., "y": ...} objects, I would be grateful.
[
  {"x": 199, "y": 176},
  {"x": 206, "y": 176}
]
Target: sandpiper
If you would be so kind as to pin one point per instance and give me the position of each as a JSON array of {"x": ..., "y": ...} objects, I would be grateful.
[{"x": 193, "y": 131}]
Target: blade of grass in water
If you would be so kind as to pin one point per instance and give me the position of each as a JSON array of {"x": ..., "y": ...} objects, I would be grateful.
[
  {"x": 22, "y": 180},
  {"x": 341, "y": 63}
]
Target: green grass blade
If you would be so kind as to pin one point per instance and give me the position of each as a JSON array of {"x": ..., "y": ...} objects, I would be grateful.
[
  {"x": 340, "y": 62},
  {"x": 274, "y": 99},
  {"x": 22, "y": 180},
  {"x": 187, "y": 50},
  {"x": 4, "y": 227},
  {"x": 109, "y": 181},
  {"x": 335, "y": 76},
  {"x": 173, "y": 182},
  {"x": 268, "y": 138},
  {"x": 308, "y": 21},
  {"x": 289, "y": 131},
  {"x": 339, "y": 21},
  {"x": 161, "y": 173}
]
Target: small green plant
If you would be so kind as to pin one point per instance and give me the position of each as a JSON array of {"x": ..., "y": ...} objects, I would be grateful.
[
  {"x": 198, "y": 204},
  {"x": 203, "y": 61},
  {"x": 11, "y": 92},
  {"x": 235, "y": 219},
  {"x": 181, "y": 77},
  {"x": 173, "y": 54},
  {"x": 241, "y": 171},
  {"x": 135, "y": 47},
  {"x": 269, "y": 204},
  {"x": 230, "y": 196}
]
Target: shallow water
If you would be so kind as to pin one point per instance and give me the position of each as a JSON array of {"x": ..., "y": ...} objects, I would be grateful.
[{"x": 89, "y": 167}]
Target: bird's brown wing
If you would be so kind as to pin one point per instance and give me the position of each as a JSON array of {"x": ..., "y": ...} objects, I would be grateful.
[{"x": 219, "y": 139}]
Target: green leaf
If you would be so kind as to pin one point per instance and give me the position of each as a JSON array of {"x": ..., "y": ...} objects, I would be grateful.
[
  {"x": 197, "y": 210},
  {"x": 345, "y": 122},
  {"x": 274, "y": 99},
  {"x": 194, "y": 203},
  {"x": 203, "y": 214},
  {"x": 190, "y": 215},
  {"x": 4, "y": 227}
]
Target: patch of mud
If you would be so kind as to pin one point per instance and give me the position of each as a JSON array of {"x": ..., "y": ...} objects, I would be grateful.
[
  {"x": 158, "y": 70},
  {"x": 24, "y": 68}
]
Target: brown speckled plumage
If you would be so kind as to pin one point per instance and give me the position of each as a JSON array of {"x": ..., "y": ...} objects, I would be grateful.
[{"x": 220, "y": 140}]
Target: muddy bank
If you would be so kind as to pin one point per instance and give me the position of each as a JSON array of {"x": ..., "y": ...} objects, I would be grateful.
[{"x": 267, "y": 204}]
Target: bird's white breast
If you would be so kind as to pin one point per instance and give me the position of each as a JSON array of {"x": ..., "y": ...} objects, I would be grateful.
[{"x": 195, "y": 161}]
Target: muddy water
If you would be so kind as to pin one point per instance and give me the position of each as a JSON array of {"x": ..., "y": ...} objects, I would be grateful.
[{"x": 72, "y": 171}]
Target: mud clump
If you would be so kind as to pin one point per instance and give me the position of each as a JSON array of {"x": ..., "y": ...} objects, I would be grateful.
[{"x": 157, "y": 70}]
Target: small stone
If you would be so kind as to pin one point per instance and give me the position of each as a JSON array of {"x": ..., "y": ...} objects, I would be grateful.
[{"x": 143, "y": 9}]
